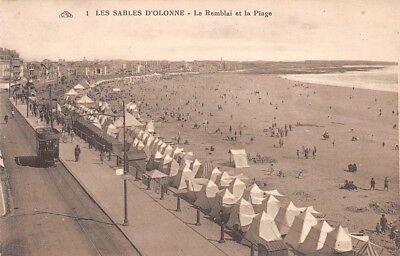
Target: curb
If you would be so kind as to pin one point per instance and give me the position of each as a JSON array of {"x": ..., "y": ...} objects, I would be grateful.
[{"x": 99, "y": 205}]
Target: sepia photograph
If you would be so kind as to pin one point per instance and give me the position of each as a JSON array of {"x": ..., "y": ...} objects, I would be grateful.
[{"x": 191, "y": 128}]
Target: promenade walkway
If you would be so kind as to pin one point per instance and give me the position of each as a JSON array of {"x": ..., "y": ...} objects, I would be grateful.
[{"x": 155, "y": 228}]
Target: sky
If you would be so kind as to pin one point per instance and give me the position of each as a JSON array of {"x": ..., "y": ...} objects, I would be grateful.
[{"x": 297, "y": 30}]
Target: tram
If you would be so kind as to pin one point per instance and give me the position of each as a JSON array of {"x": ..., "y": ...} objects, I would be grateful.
[{"x": 47, "y": 145}]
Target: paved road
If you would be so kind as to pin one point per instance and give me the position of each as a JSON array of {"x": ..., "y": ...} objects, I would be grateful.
[{"x": 50, "y": 213}]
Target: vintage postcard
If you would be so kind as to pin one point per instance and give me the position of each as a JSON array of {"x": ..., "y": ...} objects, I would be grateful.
[{"x": 189, "y": 128}]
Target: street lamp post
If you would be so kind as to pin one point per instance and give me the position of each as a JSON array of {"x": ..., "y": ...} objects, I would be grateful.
[
  {"x": 9, "y": 80},
  {"x": 125, "y": 169}
]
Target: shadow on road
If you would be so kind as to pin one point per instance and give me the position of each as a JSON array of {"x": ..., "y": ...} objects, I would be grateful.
[{"x": 32, "y": 161}]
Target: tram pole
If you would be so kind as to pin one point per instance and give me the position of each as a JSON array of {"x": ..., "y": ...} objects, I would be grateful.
[
  {"x": 125, "y": 169},
  {"x": 9, "y": 80},
  {"x": 51, "y": 108}
]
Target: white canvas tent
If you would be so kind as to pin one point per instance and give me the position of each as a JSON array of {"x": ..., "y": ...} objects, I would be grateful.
[
  {"x": 242, "y": 214},
  {"x": 194, "y": 187},
  {"x": 237, "y": 188},
  {"x": 130, "y": 120},
  {"x": 181, "y": 177},
  {"x": 215, "y": 174},
  {"x": 85, "y": 100},
  {"x": 207, "y": 193},
  {"x": 300, "y": 228},
  {"x": 315, "y": 239},
  {"x": 273, "y": 192},
  {"x": 225, "y": 179},
  {"x": 224, "y": 200},
  {"x": 71, "y": 92},
  {"x": 254, "y": 194},
  {"x": 150, "y": 126},
  {"x": 239, "y": 158},
  {"x": 195, "y": 166},
  {"x": 262, "y": 229},
  {"x": 270, "y": 205},
  {"x": 79, "y": 87},
  {"x": 337, "y": 241},
  {"x": 285, "y": 217}
]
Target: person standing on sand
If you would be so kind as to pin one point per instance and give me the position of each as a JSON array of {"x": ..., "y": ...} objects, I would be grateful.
[
  {"x": 372, "y": 184},
  {"x": 333, "y": 143},
  {"x": 298, "y": 154},
  {"x": 386, "y": 184}
]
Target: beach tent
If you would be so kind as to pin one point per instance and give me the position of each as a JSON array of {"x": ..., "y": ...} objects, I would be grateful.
[
  {"x": 177, "y": 152},
  {"x": 130, "y": 120},
  {"x": 205, "y": 170},
  {"x": 337, "y": 241},
  {"x": 315, "y": 239},
  {"x": 150, "y": 126},
  {"x": 79, "y": 87},
  {"x": 194, "y": 187},
  {"x": 239, "y": 158},
  {"x": 215, "y": 174},
  {"x": 173, "y": 168},
  {"x": 368, "y": 249},
  {"x": 181, "y": 177},
  {"x": 154, "y": 161},
  {"x": 262, "y": 229},
  {"x": 285, "y": 217},
  {"x": 224, "y": 200},
  {"x": 242, "y": 214},
  {"x": 195, "y": 166},
  {"x": 225, "y": 179},
  {"x": 312, "y": 210},
  {"x": 112, "y": 130},
  {"x": 237, "y": 188},
  {"x": 164, "y": 163},
  {"x": 273, "y": 192},
  {"x": 1, "y": 162},
  {"x": 300, "y": 228},
  {"x": 207, "y": 193},
  {"x": 71, "y": 92},
  {"x": 140, "y": 145},
  {"x": 270, "y": 205},
  {"x": 168, "y": 150},
  {"x": 85, "y": 100},
  {"x": 254, "y": 194},
  {"x": 131, "y": 106}
]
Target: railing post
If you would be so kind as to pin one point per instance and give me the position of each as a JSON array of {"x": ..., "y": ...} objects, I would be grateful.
[
  {"x": 162, "y": 192},
  {"x": 198, "y": 216},
  {"x": 148, "y": 183},
  {"x": 251, "y": 249},
  {"x": 178, "y": 203},
  {"x": 222, "y": 238}
]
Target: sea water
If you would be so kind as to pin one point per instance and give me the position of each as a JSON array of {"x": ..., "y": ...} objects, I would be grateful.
[{"x": 383, "y": 79}]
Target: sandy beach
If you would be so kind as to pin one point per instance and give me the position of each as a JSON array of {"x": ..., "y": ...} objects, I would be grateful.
[{"x": 252, "y": 103}]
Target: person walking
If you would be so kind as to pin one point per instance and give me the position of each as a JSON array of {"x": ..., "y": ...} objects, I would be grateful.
[
  {"x": 72, "y": 135},
  {"x": 77, "y": 153},
  {"x": 386, "y": 184},
  {"x": 298, "y": 154},
  {"x": 6, "y": 119},
  {"x": 102, "y": 152},
  {"x": 372, "y": 184},
  {"x": 12, "y": 113}
]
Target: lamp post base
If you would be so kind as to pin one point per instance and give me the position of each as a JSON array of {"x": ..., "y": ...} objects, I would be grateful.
[{"x": 126, "y": 223}]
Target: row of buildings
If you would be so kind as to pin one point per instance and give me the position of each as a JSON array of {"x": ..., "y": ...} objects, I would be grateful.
[
  {"x": 11, "y": 66},
  {"x": 70, "y": 72}
]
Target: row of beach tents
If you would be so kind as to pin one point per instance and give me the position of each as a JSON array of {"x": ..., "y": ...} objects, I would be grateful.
[{"x": 257, "y": 213}]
